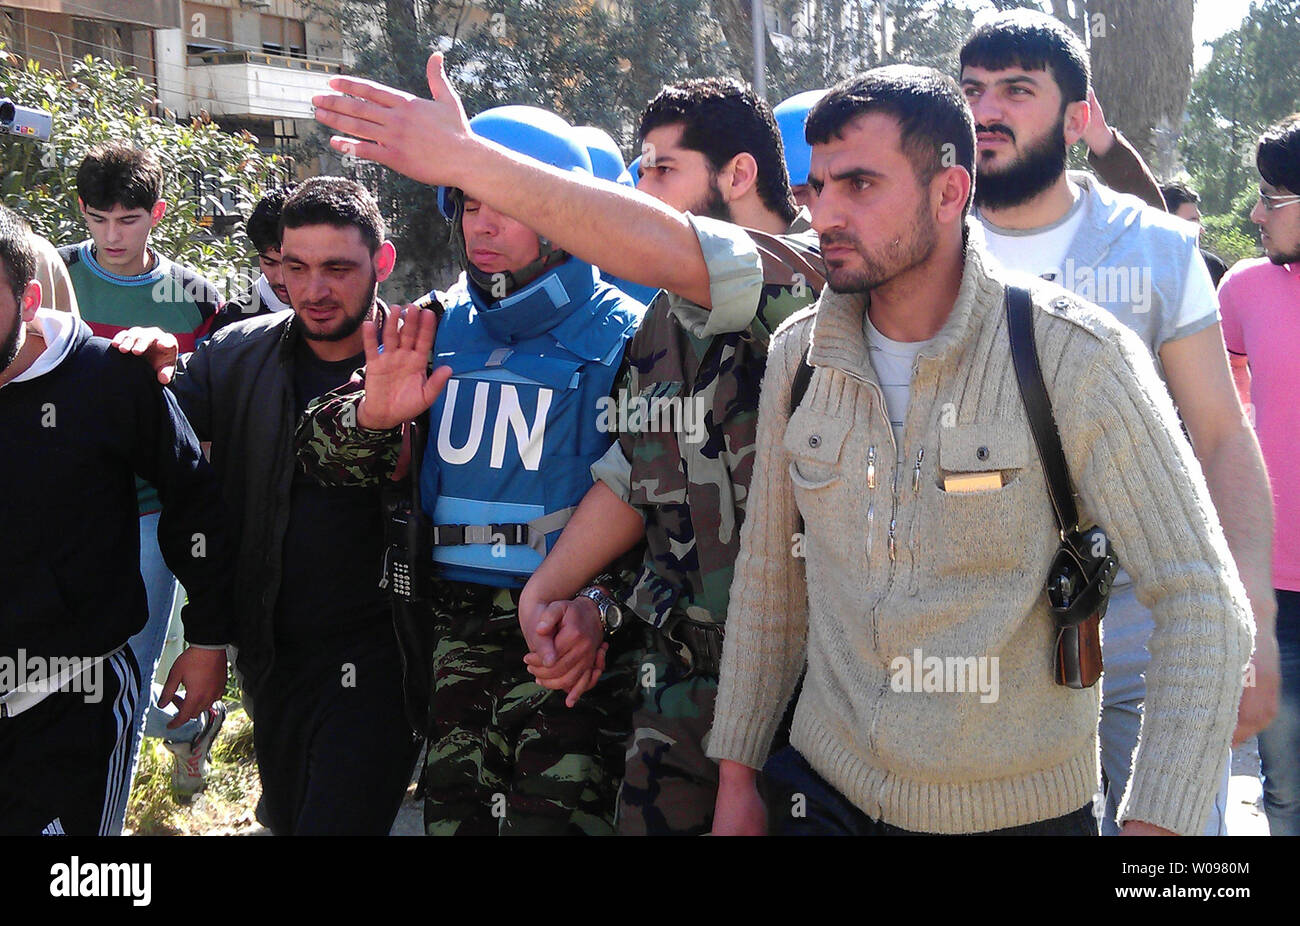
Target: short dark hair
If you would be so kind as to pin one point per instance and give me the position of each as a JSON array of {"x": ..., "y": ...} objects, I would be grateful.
[
  {"x": 17, "y": 253},
  {"x": 264, "y": 221},
  {"x": 1177, "y": 193},
  {"x": 720, "y": 118},
  {"x": 1278, "y": 155},
  {"x": 335, "y": 201},
  {"x": 118, "y": 174},
  {"x": 1036, "y": 42},
  {"x": 934, "y": 122}
]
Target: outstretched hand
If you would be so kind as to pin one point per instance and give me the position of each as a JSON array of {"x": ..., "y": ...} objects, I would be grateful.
[
  {"x": 397, "y": 388},
  {"x": 423, "y": 139}
]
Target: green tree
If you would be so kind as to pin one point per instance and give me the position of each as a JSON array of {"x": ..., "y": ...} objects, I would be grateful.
[
  {"x": 1249, "y": 83},
  {"x": 568, "y": 56},
  {"x": 207, "y": 171}
]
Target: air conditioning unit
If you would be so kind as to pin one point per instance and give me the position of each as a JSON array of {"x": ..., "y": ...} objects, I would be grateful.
[{"x": 256, "y": 4}]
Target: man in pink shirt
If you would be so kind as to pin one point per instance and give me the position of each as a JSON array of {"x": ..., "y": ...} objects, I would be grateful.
[{"x": 1260, "y": 303}]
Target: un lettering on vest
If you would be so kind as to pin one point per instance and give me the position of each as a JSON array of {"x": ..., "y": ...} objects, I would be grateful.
[{"x": 510, "y": 418}]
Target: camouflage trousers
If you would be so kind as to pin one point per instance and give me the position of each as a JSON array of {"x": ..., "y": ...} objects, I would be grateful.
[
  {"x": 669, "y": 783},
  {"x": 507, "y": 756}
]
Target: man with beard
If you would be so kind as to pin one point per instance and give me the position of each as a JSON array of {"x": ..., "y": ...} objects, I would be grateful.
[
  {"x": 943, "y": 557},
  {"x": 78, "y": 424},
  {"x": 316, "y": 644},
  {"x": 1026, "y": 77},
  {"x": 710, "y": 147},
  {"x": 1261, "y": 327}
]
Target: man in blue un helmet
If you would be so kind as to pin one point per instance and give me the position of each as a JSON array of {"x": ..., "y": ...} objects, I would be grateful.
[
  {"x": 790, "y": 116},
  {"x": 713, "y": 223},
  {"x": 534, "y": 342}
]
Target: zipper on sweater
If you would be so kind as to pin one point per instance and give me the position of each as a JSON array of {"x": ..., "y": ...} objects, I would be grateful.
[
  {"x": 912, "y": 588},
  {"x": 871, "y": 498},
  {"x": 893, "y": 492},
  {"x": 893, "y": 509},
  {"x": 875, "y": 717}
]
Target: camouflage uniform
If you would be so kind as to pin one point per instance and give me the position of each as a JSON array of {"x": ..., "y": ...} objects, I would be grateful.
[
  {"x": 692, "y": 495},
  {"x": 505, "y": 754}
]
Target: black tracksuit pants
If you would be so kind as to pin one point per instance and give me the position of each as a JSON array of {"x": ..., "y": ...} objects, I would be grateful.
[{"x": 62, "y": 760}]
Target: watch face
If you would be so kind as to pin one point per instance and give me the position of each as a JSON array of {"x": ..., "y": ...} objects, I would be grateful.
[{"x": 614, "y": 616}]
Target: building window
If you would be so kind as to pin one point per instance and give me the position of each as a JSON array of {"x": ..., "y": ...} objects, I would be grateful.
[{"x": 283, "y": 36}]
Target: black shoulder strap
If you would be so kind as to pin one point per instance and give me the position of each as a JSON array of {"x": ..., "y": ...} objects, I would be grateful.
[
  {"x": 799, "y": 386},
  {"x": 1038, "y": 406}
]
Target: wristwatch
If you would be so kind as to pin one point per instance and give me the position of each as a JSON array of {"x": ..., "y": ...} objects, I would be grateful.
[{"x": 611, "y": 615}]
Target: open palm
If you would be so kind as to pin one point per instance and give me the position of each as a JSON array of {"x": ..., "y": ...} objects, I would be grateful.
[{"x": 398, "y": 386}]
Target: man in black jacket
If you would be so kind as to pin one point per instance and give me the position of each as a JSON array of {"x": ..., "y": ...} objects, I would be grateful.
[
  {"x": 316, "y": 643},
  {"x": 79, "y": 422}
]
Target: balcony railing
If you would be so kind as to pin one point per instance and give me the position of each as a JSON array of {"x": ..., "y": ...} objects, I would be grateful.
[
  {"x": 242, "y": 83},
  {"x": 262, "y": 58}
]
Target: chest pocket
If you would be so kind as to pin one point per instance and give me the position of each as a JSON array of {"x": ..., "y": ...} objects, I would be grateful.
[
  {"x": 814, "y": 442},
  {"x": 983, "y": 449},
  {"x": 648, "y": 426}
]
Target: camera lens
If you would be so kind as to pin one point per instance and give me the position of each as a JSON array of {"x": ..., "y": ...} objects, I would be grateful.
[{"x": 6, "y": 111}]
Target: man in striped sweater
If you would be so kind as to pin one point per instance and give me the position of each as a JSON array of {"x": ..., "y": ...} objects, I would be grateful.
[{"x": 121, "y": 282}]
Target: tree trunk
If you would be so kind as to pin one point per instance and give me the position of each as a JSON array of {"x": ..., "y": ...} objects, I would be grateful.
[
  {"x": 1142, "y": 71},
  {"x": 733, "y": 17},
  {"x": 404, "y": 40}
]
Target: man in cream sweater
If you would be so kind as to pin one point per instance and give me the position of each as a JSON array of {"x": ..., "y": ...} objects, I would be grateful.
[{"x": 928, "y": 530}]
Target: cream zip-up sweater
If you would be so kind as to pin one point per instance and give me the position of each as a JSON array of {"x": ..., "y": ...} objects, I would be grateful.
[{"x": 891, "y": 564}]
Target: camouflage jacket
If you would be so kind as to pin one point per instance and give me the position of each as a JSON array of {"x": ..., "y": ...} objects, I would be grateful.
[
  {"x": 688, "y": 473},
  {"x": 332, "y": 448}
]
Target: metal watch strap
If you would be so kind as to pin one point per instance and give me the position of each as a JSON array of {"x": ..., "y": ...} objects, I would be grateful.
[{"x": 603, "y": 603}]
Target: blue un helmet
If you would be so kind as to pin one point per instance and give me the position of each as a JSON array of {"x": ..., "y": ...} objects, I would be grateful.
[
  {"x": 790, "y": 117},
  {"x": 527, "y": 130},
  {"x": 606, "y": 159},
  {"x": 541, "y": 135},
  {"x": 634, "y": 170}
]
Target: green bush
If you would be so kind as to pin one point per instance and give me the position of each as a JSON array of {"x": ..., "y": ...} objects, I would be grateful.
[
  {"x": 97, "y": 102},
  {"x": 1232, "y": 235}
]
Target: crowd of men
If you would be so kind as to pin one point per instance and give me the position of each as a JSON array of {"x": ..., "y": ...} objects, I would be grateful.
[{"x": 710, "y": 498}]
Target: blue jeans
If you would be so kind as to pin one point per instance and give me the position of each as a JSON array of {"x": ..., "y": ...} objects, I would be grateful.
[
  {"x": 1279, "y": 744},
  {"x": 1124, "y": 634},
  {"x": 827, "y": 812},
  {"x": 146, "y": 646}
]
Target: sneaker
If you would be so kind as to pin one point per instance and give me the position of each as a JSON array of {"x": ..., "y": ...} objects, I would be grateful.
[{"x": 190, "y": 758}]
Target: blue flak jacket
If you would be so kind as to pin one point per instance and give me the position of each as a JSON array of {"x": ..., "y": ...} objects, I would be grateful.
[{"x": 513, "y": 436}]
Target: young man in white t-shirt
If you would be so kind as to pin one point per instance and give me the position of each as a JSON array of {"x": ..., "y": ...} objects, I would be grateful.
[{"x": 1026, "y": 76}]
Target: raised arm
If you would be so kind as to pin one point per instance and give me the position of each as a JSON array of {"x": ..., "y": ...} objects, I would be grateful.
[
  {"x": 1116, "y": 161},
  {"x": 625, "y": 233}
]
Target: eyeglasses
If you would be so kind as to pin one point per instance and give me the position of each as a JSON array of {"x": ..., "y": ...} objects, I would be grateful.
[{"x": 1277, "y": 202}]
